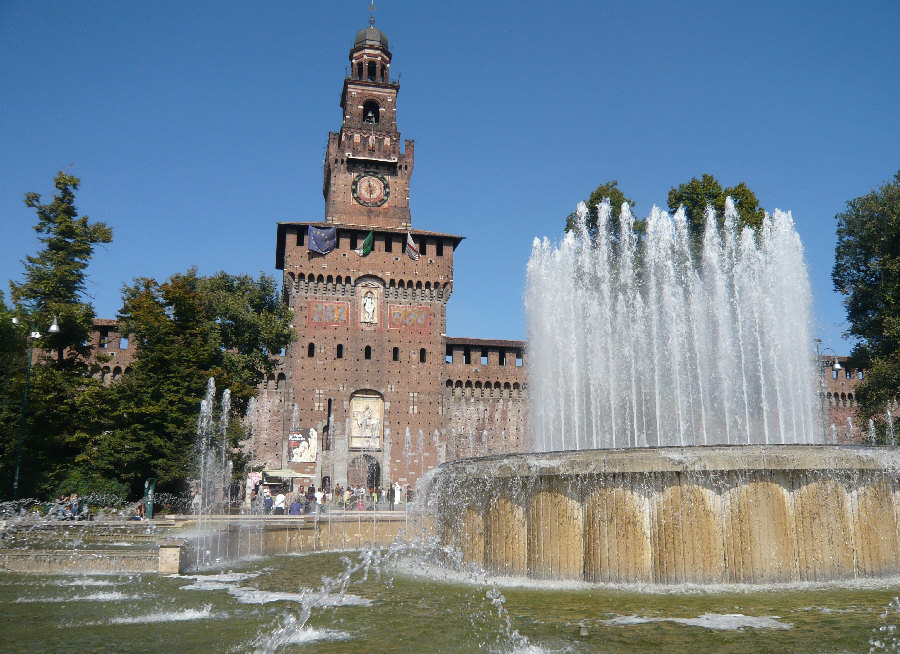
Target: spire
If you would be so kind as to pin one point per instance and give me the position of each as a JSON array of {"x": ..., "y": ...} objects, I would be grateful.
[{"x": 372, "y": 15}]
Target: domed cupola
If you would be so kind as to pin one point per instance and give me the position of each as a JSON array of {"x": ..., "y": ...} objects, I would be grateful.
[
  {"x": 371, "y": 37},
  {"x": 370, "y": 58}
]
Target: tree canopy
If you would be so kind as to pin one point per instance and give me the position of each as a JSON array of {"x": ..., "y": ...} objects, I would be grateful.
[
  {"x": 695, "y": 196},
  {"x": 698, "y": 194},
  {"x": 86, "y": 436},
  {"x": 606, "y": 191},
  {"x": 867, "y": 273},
  {"x": 54, "y": 280},
  {"x": 65, "y": 400},
  {"x": 186, "y": 329}
]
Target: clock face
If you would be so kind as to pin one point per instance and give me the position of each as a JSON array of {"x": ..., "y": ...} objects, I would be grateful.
[{"x": 370, "y": 189}]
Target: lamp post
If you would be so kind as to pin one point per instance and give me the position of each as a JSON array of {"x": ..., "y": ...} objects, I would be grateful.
[
  {"x": 32, "y": 335},
  {"x": 835, "y": 365}
]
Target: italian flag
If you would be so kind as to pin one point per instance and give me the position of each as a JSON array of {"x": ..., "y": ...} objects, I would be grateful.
[
  {"x": 411, "y": 250},
  {"x": 366, "y": 246}
]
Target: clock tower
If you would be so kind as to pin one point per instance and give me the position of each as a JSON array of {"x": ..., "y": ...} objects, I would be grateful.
[
  {"x": 373, "y": 392},
  {"x": 366, "y": 171}
]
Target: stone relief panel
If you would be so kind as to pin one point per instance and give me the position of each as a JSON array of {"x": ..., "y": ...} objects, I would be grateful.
[{"x": 366, "y": 420}]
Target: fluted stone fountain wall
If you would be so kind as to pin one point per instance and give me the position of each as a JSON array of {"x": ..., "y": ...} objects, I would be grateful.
[{"x": 753, "y": 514}]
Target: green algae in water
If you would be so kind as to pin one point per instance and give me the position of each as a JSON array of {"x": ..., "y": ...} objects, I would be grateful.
[{"x": 397, "y": 611}]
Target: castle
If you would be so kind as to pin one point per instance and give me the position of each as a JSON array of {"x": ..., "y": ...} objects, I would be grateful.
[{"x": 373, "y": 392}]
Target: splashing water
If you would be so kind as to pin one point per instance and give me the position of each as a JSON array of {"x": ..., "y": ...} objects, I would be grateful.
[
  {"x": 637, "y": 343},
  {"x": 886, "y": 636},
  {"x": 378, "y": 562}
]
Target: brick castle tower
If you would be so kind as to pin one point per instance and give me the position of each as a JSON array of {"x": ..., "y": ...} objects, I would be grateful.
[{"x": 373, "y": 392}]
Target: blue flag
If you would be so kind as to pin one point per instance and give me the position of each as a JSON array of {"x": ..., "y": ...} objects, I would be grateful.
[{"x": 322, "y": 239}]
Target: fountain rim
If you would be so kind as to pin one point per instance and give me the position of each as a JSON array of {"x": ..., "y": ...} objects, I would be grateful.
[{"x": 680, "y": 459}]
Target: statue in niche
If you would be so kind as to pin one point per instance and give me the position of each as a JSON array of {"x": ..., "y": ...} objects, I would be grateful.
[{"x": 368, "y": 307}]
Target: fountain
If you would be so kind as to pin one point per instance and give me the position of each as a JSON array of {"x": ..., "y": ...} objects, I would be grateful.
[
  {"x": 642, "y": 509},
  {"x": 676, "y": 424}
]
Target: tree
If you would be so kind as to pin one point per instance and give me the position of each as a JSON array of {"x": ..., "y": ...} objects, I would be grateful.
[
  {"x": 12, "y": 372},
  {"x": 867, "y": 273},
  {"x": 698, "y": 194},
  {"x": 54, "y": 282},
  {"x": 606, "y": 191},
  {"x": 65, "y": 401},
  {"x": 186, "y": 329}
]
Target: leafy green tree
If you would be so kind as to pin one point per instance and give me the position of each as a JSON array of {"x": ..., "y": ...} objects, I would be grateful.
[
  {"x": 867, "y": 273},
  {"x": 186, "y": 329},
  {"x": 54, "y": 281},
  {"x": 606, "y": 191},
  {"x": 252, "y": 325},
  {"x": 698, "y": 194},
  {"x": 65, "y": 402}
]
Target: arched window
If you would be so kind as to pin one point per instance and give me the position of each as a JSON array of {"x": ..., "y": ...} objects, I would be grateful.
[
  {"x": 371, "y": 113},
  {"x": 368, "y": 352},
  {"x": 395, "y": 354},
  {"x": 339, "y": 352},
  {"x": 371, "y": 71},
  {"x": 311, "y": 350},
  {"x": 422, "y": 355}
]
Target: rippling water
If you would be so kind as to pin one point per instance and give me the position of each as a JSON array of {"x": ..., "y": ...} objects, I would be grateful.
[{"x": 417, "y": 608}]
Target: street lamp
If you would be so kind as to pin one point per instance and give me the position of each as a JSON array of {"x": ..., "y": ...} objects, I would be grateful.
[
  {"x": 33, "y": 334},
  {"x": 822, "y": 362}
]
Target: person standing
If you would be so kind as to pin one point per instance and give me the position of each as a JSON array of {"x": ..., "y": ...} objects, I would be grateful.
[
  {"x": 392, "y": 494},
  {"x": 267, "y": 500},
  {"x": 320, "y": 505},
  {"x": 279, "y": 503}
]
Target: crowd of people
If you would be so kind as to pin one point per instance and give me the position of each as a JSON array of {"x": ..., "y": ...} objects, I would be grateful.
[
  {"x": 273, "y": 500},
  {"x": 69, "y": 507}
]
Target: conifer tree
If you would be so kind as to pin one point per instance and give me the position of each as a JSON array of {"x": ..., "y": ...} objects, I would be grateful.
[{"x": 54, "y": 280}]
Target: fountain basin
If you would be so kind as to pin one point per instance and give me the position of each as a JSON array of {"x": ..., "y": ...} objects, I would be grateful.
[{"x": 722, "y": 514}]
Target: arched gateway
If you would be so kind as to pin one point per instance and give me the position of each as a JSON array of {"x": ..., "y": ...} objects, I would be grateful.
[{"x": 364, "y": 470}]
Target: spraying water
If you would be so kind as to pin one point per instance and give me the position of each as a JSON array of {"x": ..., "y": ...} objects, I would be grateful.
[{"x": 644, "y": 343}]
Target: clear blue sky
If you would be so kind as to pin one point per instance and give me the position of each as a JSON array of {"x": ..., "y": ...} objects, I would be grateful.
[{"x": 195, "y": 127}]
